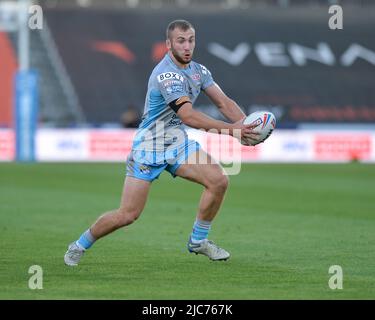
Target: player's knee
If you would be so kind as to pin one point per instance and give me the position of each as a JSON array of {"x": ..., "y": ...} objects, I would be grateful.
[
  {"x": 223, "y": 183},
  {"x": 219, "y": 183},
  {"x": 126, "y": 217}
]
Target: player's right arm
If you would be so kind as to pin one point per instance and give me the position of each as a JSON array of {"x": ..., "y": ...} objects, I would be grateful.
[{"x": 199, "y": 120}]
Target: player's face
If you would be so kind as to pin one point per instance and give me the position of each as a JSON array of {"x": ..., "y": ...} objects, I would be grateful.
[{"x": 181, "y": 44}]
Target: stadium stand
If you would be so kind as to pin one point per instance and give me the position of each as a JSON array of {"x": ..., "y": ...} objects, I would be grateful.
[
  {"x": 58, "y": 104},
  {"x": 312, "y": 76},
  {"x": 94, "y": 59}
]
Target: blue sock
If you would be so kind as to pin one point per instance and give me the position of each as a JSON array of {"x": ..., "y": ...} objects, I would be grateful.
[
  {"x": 86, "y": 240},
  {"x": 200, "y": 230}
]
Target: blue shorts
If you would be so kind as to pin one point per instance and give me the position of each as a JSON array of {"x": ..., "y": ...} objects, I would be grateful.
[{"x": 148, "y": 165}]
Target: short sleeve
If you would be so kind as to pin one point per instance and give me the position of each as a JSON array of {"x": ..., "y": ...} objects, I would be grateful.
[
  {"x": 172, "y": 85},
  {"x": 207, "y": 79}
]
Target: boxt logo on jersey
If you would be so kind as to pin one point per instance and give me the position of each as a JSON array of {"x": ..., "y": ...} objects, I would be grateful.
[{"x": 170, "y": 75}]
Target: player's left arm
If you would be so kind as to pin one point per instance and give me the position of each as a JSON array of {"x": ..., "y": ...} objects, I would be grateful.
[{"x": 228, "y": 107}]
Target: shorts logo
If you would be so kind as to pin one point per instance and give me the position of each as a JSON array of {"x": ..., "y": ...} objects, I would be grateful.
[
  {"x": 144, "y": 169},
  {"x": 169, "y": 76}
]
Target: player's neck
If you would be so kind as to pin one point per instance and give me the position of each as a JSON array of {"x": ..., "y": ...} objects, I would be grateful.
[{"x": 177, "y": 63}]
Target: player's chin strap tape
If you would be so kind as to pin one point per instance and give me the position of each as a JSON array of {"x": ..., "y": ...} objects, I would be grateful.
[{"x": 178, "y": 103}]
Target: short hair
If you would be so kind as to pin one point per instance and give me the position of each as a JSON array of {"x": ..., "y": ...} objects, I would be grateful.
[{"x": 180, "y": 24}]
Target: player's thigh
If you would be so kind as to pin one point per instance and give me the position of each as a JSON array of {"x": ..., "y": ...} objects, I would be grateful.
[
  {"x": 200, "y": 167},
  {"x": 134, "y": 195}
]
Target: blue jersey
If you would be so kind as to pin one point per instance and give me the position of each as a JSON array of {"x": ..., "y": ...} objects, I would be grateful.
[{"x": 161, "y": 127}]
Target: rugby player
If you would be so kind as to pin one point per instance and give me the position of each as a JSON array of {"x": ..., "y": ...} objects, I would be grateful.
[{"x": 161, "y": 143}]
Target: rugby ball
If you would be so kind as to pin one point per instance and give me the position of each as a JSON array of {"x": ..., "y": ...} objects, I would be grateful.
[{"x": 265, "y": 122}]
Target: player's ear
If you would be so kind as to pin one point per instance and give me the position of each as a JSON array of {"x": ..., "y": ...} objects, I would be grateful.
[{"x": 168, "y": 44}]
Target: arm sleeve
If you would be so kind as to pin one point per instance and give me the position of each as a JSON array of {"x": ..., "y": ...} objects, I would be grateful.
[{"x": 207, "y": 79}]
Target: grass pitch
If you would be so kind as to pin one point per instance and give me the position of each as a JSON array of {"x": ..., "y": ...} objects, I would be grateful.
[{"x": 284, "y": 225}]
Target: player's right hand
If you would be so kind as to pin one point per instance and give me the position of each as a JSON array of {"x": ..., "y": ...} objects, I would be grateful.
[{"x": 244, "y": 131}]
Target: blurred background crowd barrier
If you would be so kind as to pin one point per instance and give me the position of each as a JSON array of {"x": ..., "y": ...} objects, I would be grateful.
[{"x": 93, "y": 59}]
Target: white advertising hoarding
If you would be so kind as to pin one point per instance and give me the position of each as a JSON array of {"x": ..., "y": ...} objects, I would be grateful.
[{"x": 282, "y": 146}]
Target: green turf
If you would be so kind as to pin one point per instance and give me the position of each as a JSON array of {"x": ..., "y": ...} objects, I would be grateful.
[{"x": 284, "y": 225}]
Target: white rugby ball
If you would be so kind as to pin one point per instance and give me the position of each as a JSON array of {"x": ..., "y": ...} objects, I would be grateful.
[{"x": 265, "y": 122}]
